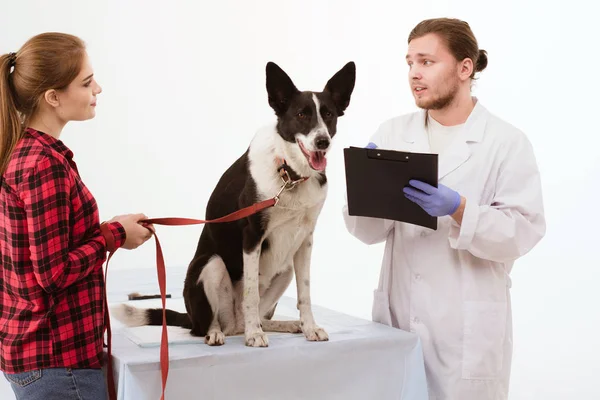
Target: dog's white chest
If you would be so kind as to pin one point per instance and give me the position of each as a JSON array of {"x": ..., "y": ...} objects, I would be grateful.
[{"x": 287, "y": 229}]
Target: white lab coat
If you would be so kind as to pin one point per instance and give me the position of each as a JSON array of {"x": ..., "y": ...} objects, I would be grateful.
[{"x": 450, "y": 286}]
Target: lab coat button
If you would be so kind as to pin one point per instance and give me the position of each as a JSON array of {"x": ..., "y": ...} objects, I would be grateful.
[
  {"x": 423, "y": 233},
  {"x": 418, "y": 277}
]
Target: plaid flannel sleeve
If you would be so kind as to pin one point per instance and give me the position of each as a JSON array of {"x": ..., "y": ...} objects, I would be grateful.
[
  {"x": 114, "y": 235},
  {"x": 46, "y": 196}
]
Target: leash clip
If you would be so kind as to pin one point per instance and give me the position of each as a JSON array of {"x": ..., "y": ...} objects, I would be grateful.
[
  {"x": 279, "y": 193},
  {"x": 287, "y": 180},
  {"x": 287, "y": 185}
]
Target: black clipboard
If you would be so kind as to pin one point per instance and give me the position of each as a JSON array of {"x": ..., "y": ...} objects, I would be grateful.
[{"x": 375, "y": 179}]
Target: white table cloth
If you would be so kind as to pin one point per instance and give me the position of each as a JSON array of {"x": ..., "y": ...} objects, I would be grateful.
[{"x": 362, "y": 360}]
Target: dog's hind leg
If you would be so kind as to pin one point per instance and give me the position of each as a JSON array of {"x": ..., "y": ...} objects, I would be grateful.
[
  {"x": 273, "y": 292},
  {"x": 219, "y": 292},
  {"x": 269, "y": 299},
  {"x": 214, "y": 336},
  {"x": 282, "y": 326}
]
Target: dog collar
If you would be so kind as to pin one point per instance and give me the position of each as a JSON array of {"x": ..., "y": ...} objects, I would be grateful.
[{"x": 287, "y": 173}]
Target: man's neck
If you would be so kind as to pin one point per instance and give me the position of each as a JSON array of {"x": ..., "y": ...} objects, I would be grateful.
[
  {"x": 46, "y": 123},
  {"x": 456, "y": 112}
]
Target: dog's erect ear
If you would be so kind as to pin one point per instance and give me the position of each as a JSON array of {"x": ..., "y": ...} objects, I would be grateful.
[
  {"x": 280, "y": 88},
  {"x": 341, "y": 85}
]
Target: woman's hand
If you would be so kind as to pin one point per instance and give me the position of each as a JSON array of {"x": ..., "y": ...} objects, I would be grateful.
[{"x": 136, "y": 233}]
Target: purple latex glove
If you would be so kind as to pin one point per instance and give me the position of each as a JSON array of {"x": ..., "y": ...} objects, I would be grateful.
[
  {"x": 371, "y": 145},
  {"x": 436, "y": 202}
]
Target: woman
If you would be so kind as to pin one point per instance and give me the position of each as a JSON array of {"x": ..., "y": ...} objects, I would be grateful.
[{"x": 51, "y": 241}]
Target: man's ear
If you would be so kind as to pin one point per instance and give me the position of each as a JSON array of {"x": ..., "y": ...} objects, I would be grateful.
[
  {"x": 51, "y": 97},
  {"x": 466, "y": 69}
]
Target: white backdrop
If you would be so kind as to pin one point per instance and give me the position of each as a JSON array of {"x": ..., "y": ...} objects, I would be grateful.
[{"x": 184, "y": 91}]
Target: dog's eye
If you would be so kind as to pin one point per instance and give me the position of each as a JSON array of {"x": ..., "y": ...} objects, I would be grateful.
[
  {"x": 301, "y": 115},
  {"x": 328, "y": 114}
]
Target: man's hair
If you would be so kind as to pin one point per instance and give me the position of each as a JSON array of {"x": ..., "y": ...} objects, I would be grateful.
[{"x": 457, "y": 36}]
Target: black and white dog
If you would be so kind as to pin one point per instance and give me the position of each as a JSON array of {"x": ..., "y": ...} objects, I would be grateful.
[{"x": 242, "y": 268}]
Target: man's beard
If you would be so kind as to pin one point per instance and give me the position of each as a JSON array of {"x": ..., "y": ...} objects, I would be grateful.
[{"x": 443, "y": 101}]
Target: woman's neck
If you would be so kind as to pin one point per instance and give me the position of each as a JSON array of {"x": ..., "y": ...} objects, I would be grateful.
[{"x": 47, "y": 123}]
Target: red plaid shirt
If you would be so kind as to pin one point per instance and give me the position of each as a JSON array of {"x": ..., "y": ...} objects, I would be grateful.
[{"x": 52, "y": 247}]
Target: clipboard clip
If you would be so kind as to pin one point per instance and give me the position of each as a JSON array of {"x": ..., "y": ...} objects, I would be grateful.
[{"x": 388, "y": 155}]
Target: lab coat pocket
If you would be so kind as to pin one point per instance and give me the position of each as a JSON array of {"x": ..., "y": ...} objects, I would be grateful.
[
  {"x": 381, "y": 308},
  {"x": 483, "y": 339}
]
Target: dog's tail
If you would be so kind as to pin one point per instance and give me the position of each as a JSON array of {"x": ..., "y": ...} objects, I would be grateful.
[{"x": 132, "y": 316}]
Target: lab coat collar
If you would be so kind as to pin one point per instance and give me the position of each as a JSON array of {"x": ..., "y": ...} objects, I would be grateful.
[{"x": 459, "y": 151}]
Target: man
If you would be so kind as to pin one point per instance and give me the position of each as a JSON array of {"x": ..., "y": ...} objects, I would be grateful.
[{"x": 450, "y": 286}]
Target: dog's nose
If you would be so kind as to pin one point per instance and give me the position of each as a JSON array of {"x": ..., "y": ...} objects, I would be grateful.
[{"x": 322, "y": 142}]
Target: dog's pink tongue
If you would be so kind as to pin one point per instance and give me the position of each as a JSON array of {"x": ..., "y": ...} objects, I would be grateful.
[{"x": 318, "y": 160}]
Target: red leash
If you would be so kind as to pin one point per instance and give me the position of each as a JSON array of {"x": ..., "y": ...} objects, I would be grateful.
[
  {"x": 160, "y": 266},
  {"x": 162, "y": 280}
]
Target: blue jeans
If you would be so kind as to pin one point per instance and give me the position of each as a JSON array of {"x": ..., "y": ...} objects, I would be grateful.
[{"x": 59, "y": 384}]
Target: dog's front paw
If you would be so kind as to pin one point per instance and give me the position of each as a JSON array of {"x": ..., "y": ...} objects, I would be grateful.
[
  {"x": 215, "y": 338},
  {"x": 257, "y": 339},
  {"x": 315, "y": 334}
]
